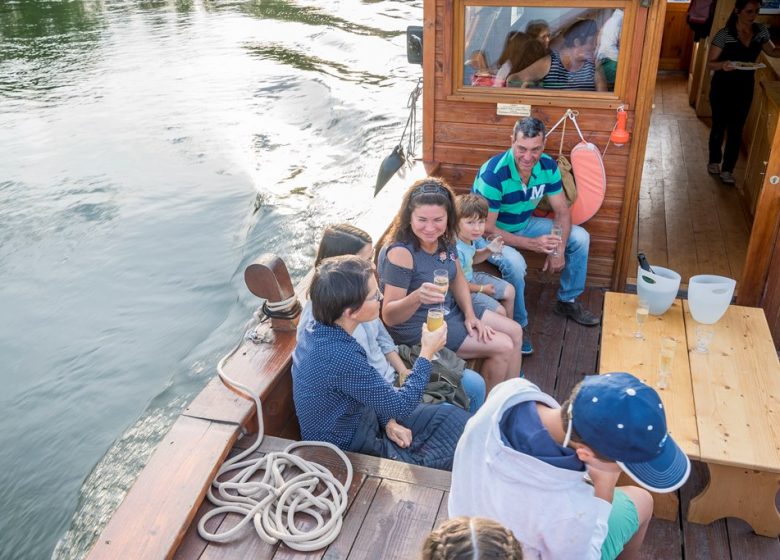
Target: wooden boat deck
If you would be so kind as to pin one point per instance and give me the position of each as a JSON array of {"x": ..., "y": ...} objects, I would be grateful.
[
  {"x": 688, "y": 220},
  {"x": 393, "y": 506}
]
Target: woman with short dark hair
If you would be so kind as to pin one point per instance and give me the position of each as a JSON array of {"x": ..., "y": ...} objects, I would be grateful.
[{"x": 342, "y": 399}]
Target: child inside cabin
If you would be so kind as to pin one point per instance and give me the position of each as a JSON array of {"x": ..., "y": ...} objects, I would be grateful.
[{"x": 486, "y": 290}]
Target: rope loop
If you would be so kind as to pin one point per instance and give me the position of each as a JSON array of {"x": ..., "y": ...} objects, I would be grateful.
[{"x": 272, "y": 502}]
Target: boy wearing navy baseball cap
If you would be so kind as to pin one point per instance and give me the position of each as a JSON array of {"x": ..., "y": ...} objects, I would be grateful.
[{"x": 549, "y": 472}]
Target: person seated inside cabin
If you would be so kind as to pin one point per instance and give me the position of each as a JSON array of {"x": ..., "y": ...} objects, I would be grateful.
[
  {"x": 540, "y": 30},
  {"x": 471, "y": 538},
  {"x": 549, "y": 473},
  {"x": 342, "y": 399},
  {"x": 382, "y": 353},
  {"x": 609, "y": 47},
  {"x": 477, "y": 70},
  {"x": 487, "y": 291},
  {"x": 420, "y": 275},
  {"x": 514, "y": 182},
  {"x": 520, "y": 51},
  {"x": 572, "y": 66}
]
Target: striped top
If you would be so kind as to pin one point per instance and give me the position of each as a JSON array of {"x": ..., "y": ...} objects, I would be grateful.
[
  {"x": 734, "y": 50},
  {"x": 727, "y": 38},
  {"x": 559, "y": 77},
  {"x": 500, "y": 183}
]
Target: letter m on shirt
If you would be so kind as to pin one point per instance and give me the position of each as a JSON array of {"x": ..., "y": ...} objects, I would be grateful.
[{"x": 537, "y": 191}]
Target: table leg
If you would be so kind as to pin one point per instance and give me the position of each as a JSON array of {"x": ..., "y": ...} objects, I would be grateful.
[{"x": 739, "y": 492}]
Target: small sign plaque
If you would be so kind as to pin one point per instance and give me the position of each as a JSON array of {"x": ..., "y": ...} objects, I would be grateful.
[{"x": 513, "y": 109}]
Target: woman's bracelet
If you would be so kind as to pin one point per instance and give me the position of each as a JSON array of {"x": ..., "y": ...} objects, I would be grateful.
[{"x": 481, "y": 287}]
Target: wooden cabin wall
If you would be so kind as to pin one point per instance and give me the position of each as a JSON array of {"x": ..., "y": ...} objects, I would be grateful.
[
  {"x": 460, "y": 135},
  {"x": 677, "y": 43}
]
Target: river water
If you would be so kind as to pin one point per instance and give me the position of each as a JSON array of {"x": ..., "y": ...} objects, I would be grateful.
[{"x": 150, "y": 151}]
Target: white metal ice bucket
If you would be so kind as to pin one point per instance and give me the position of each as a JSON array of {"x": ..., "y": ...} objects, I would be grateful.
[
  {"x": 658, "y": 288},
  {"x": 709, "y": 296}
]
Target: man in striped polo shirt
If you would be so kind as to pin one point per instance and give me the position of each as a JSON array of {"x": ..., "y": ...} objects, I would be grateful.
[{"x": 513, "y": 182}]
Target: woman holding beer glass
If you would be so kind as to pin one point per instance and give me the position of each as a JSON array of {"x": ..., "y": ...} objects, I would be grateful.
[
  {"x": 422, "y": 241},
  {"x": 382, "y": 354}
]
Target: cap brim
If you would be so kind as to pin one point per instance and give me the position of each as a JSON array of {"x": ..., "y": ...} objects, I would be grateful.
[{"x": 664, "y": 473}]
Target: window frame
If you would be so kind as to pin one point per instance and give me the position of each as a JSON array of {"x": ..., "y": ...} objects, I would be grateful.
[{"x": 543, "y": 97}]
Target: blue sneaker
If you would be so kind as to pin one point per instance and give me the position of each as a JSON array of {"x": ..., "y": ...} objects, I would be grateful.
[{"x": 527, "y": 348}]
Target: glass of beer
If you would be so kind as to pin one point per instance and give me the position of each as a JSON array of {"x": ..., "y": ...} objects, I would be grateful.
[
  {"x": 441, "y": 278},
  {"x": 435, "y": 322},
  {"x": 642, "y": 311}
]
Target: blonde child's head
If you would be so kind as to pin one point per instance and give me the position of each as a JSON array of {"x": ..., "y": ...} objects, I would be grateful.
[{"x": 471, "y": 538}]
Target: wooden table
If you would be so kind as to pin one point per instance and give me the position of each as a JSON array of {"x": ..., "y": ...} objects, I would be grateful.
[
  {"x": 392, "y": 509},
  {"x": 722, "y": 407}
]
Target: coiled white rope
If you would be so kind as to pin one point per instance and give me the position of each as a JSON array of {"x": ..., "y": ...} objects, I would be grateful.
[{"x": 272, "y": 502}]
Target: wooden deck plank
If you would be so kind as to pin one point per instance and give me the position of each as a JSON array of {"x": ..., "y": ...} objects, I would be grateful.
[
  {"x": 192, "y": 545},
  {"x": 663, "y": 540},
  {"x": 746, "y": 545},
  {"x": 579, "y": 354},
  {"x": 547, "y": 331},
  {"x": 354, "y": 520},
  {"x": 442, "y": 515},
  {"x": 708, "y": 542},
  {"x": 398, "y": 521},
  {"x": 248, "y": 545}
]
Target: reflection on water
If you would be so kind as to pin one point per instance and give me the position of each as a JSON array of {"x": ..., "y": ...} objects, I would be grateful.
[{"x": 150, "y": 152}]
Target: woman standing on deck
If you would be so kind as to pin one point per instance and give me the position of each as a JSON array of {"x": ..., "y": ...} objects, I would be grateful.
[
  {"x": 422, "y": 240},
  {"x": 731, "y": 93}
]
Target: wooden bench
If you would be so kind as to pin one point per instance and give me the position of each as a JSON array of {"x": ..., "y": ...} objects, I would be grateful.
[{"x": 722, "y": 407}]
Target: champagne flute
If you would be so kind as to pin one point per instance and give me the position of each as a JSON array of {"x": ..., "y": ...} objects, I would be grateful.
[
  {"x": 642, "y": 311},
  {"x": 435, "y": 321},
  {"x": 557, "y": 231},
  {"x": 495, "y": 244},
  {"x": 441, "y": 279}
]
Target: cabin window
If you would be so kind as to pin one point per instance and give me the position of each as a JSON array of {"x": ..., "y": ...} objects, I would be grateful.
[{"x": 537, "y": 47}]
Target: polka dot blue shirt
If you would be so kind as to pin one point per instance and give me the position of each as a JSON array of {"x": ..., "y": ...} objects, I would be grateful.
[{"x": 333, "y": 384}]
